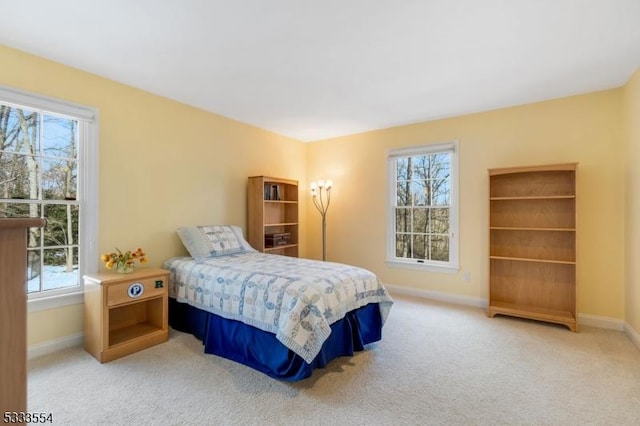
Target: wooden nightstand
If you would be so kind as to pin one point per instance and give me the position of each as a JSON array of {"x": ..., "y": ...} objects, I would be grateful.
[{"x": 125, "y": 313}]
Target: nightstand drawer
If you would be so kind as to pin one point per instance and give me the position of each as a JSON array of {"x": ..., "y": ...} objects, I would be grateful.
[{"x": 135, "y": 290}]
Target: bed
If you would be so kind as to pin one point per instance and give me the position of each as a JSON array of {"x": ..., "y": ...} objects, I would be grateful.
[{"x": 280, "y": 315}]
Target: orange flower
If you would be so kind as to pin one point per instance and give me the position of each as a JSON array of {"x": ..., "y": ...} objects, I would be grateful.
[{"x": 123, "y": 260}]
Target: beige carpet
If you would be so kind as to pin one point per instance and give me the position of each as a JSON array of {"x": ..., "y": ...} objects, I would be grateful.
[{"x": 436, "y": 364}]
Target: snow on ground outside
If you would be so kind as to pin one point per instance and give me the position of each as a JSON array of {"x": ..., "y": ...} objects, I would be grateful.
[{"x": 53, "y": 277}]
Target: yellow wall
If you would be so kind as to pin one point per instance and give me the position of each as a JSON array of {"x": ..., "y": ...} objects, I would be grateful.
[
  {"x": 162, "y": 164},
  {"x": 586, "y": 129},
  {"x": 44, "y": 326},
  {"x": 632, "y": 133}
]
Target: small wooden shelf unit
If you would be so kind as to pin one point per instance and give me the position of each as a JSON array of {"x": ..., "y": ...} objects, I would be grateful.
[
  {"x": 532, "y": 243},
  {"x": 272, "y": 205},
  {"x": 117, "y": 323}
]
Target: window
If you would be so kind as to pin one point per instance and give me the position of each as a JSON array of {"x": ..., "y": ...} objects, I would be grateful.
[
  {"x": 48, "y": 169},
  {"x": 423, "y": 214}
]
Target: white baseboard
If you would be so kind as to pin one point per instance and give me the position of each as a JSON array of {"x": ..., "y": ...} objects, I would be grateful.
[
  {"x": 457, "y": 299},
  {"x": 478, "y": 302},
  {"x": 632, "y": 334},
  {"x": 56, "y": 345},
  {"x": 601, "y": 322}
]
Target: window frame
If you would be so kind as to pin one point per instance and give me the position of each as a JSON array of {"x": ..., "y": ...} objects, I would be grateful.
[
  {"x": 88, "y": 195},
  {"x": 452, "y": 266}
]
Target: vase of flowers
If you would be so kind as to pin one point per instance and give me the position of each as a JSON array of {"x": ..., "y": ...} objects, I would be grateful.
[
  {"x": 124, "y": 262},
  {"x": 124, "y": 268}
]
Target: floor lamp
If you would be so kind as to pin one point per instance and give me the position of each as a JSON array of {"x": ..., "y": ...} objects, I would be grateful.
[{"x": 317, "y": 188}]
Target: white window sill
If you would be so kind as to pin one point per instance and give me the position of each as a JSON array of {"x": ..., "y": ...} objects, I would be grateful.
[
  {"x": 427, "y": 267},
  {"x": 53, "y": 302}
]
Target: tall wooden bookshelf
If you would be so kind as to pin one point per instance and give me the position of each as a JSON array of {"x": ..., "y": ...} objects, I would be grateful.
[
  {"x": 273, "y": 211},
  {"x": 532, "y": 243}
]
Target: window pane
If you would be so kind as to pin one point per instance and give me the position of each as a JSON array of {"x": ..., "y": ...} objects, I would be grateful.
[
  {"x": 420, "y": 167},
  {"x": 403, "y": 220},
  {"x": 440, "y": 220},
  {"x": 62, "y": 224},
  {"x": 33, "y": 237},
  {"x": 403, "y": 194},
  {"x": 18, "y": 176},
  {"x": 59, "y": 269},
  {"x": 420, "y": 247},
  {"x": 420, "y": 192},
  {"x": 439, "y": 167},
  {"x": 440, "y": 248},
  {"x": 59, "y": 179},
  {"x": 440, "y": 192},
  {"x": 403, "y": 168},
  {"x": 34, "y": 276},
  {"x": 19, "y": 129},
  {"x": 59, "y": 137},
  {"x": 403, "y": 245},
  {"x": 19, "y": 210},
  {"x": 421, "y": 220}
]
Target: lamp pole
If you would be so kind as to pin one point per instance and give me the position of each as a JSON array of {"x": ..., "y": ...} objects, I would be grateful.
[{"x": 317, "y": 189}]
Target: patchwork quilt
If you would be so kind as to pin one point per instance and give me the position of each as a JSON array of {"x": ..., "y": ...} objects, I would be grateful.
[{"x": 296, "y": 299}]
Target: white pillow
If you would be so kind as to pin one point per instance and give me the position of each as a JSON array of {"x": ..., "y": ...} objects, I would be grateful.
[{"x": 213, "y": 240}]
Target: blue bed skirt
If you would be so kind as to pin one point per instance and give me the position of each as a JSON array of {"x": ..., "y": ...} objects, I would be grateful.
[{"x": 261, "y": 350}]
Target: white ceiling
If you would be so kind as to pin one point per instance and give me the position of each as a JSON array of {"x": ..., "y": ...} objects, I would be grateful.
[{"x": 314, "y": 69}]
